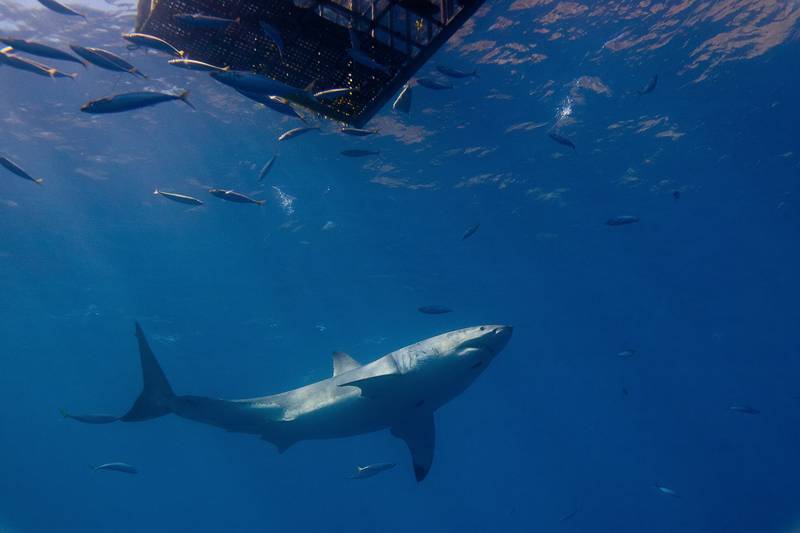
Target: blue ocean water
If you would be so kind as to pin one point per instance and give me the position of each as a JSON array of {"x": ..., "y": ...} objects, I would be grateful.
[{"x": 560, "y": 433}]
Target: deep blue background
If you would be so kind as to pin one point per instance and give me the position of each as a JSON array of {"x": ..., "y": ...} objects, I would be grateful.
[{"x": 242, "y": 301}]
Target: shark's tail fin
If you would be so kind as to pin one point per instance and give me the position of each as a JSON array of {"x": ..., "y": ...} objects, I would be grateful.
[{"x": 156, "y": 397}]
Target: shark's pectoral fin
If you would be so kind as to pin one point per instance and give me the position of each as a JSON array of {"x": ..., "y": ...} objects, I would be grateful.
[
  {"x": 419, "y": 433},
  {"x": 281, "y": 443},
  {"x": 382, "y": 386},
  {"x": 342, "y": 363}
]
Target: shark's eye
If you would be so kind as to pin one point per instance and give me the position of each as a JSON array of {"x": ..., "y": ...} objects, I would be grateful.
[{"x": 482, "y": 328}]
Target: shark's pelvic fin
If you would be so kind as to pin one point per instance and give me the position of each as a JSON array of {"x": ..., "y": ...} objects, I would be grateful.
[
  {"x": 419, "y": 433},
  {"x": 156, "y": 397},
  {"x": 382, "y": 386},
  {"x": 342, "y": 363}
]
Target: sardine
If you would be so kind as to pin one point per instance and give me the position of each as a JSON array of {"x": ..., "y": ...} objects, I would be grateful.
[
  {"x": 16, "y": 169},
  {"x": 429, "y": 83},
  {"x": 296, "y": 131},
  {"x": 470, "y": 231},
  {"x": 622, "y": 220},
  {"x": 41, "y": 50},
  {"x": 125, "y": 468},
  {"x": 151, "y": 41},
  {"x": 403, "y": 100},
  {"x": 199, "y": 20},
  {"x": 358, "y": 132},
  {"x": 273, "y": 35},
  {"x": 560, "y": 139},
  {"x": 453, "y": 73},
  {"x": 236, "y": 197},
  {"x": 180, "y": 198},
  {"x": 52, "y": 5},
  {"x": 129, "y": 101},
  {"x": 199, "y": 66},
  {"x": 28, "y": 65},
  {"x": 106, "y": 60},
  {"x": 266, "y": 168},
  {"x": 363, "y": 472}
]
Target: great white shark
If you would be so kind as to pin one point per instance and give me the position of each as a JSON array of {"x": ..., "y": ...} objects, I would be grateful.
[{"x": 399, "y": 391}]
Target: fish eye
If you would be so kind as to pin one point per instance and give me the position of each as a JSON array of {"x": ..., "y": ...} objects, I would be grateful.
[{"x": 482, "y": 328}]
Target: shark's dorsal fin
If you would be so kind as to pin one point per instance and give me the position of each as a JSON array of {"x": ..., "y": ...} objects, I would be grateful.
[
  {"x": 382, "y": 386},
  {"x": 419, "y": 434},
  {"x": 342, "y": 363}
]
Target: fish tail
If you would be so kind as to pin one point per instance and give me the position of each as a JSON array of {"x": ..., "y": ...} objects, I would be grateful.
[
  {"x": 84, "y": 64},
  {"x": 64, "y": 413},
  {"x": 71, "y": 76},
  {"x": 184, "y": 97},
  {"x": 261, "y": 202},
  {"x": 182, "y": 54},
  {"x": 156, "y": 192},
  {"x": 475, "y": 73},
  {"x": 38, "y": 181}
]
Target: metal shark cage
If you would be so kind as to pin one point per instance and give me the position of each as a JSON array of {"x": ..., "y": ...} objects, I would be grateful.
[{"x": 399, "y": 34}]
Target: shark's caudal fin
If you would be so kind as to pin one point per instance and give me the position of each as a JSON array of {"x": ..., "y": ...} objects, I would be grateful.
[
  {"x": 419, "y": 433},
  {"x": 156, "y": 397}
]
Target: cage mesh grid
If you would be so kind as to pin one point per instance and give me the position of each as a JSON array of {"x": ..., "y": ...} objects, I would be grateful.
[{"x": 315, "y": 48}]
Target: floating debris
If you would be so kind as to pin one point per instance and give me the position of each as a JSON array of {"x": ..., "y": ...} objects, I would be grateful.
[
  {"x": 129, "y": 101},
  {"x": 180, "y": 198}
]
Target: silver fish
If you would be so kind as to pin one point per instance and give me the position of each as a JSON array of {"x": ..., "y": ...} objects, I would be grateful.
[
  {"x": 180, "y": 198},
  {"x": 191, "y": 64},
  {"x": 41, "y": 50},
  {"x": 363, "y": 472},
  {"x": 16, "y": 169},
  {"x": 29, "y": 65},
  {"x": 265, "y": 170},
  {"x": 52, "y": 5},
  {"x": 453, "y": 73},
  {"x": 90, "y": 419},
  {"x": 272, "y": 34},
  {"x": 403, "y": 101},
  {"x": 199, "y": 20},
  {"x": 296, "y": 131},
  {"x": 236, "y": 197},
  {"x": 151, "y": 41},
  {"x": 332, "y": 93},
  {"x": 276, "y": 103},
  {"x": 666, "y": 490},
  {"x": 119, "y": 103},
  {"x": 125, "y": 468},
  {"x": 106, "y": 60},
  {"x": 432, "y": 84},
  {"x": 358, "y": 132}
]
